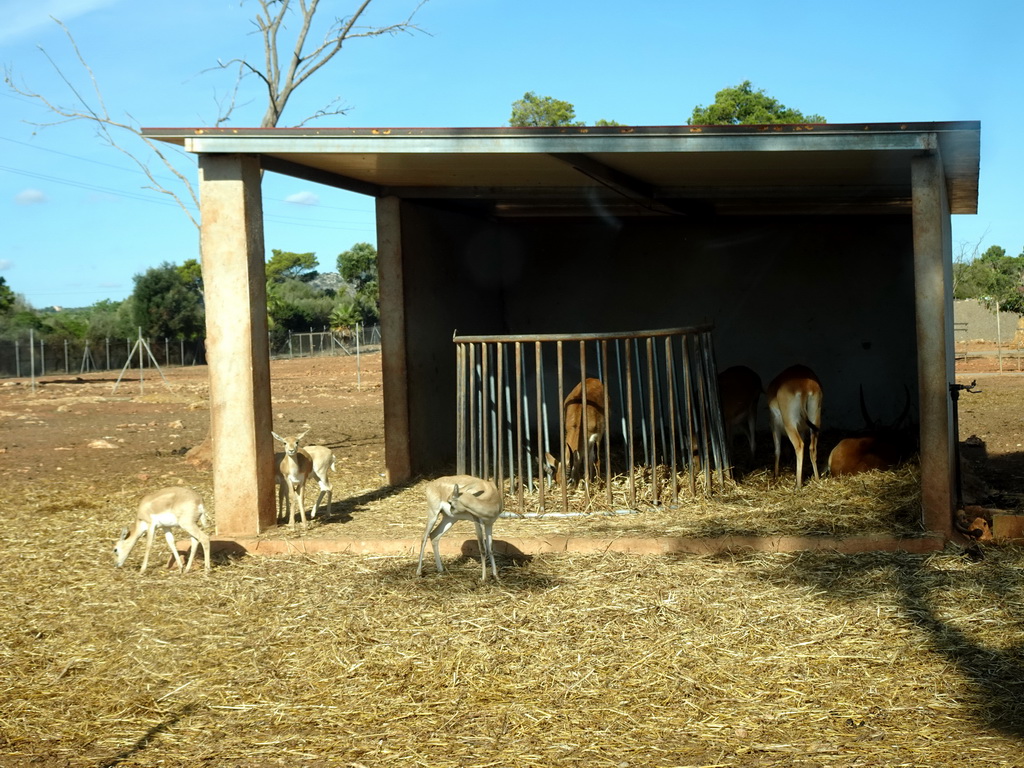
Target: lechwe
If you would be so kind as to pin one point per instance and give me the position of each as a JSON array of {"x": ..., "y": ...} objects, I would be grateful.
[
  {"x": 880, "y": 446},
  {"x": 584, "y": 430},
  {"x": 794, "y": 401},
  {"x": 461, "y": 497},
  {"x": 168, "y": 508},
  {"x": 323, "y": 464},
  {"x": 292, "y": 468},
  {"x": 739, "y": 390}
]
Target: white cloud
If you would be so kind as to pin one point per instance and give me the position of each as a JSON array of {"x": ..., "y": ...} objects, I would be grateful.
[
  {"x": 5, "y": 264},
  {"x": 303, "y": 198},
  {"x": 24, "y": 18},
  {"x": 31, "y": 196}
]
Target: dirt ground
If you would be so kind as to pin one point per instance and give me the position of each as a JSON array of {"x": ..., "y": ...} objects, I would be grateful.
[{"x": 602, "y": 659}]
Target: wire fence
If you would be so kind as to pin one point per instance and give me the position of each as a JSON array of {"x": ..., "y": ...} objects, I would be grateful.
[{"x": 29, "y": 355}]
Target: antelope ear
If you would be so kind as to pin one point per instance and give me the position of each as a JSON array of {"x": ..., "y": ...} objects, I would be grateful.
[
  {"x": 277, "y": 436},
  {"x": 124, "y": 534}
]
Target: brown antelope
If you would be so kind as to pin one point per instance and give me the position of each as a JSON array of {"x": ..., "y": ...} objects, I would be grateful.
[
  {"x": 794, "y": 401},
  {"x": 323, "y": 464},
  {"x": 580, "y": 421},
  {"x": 292, "y": 468},
  {"x": 168, "y": 508},
  {"x": 739, "y": 389},
  {"x": 880, "y": 447},
  {"x": 462, "y": 497}
]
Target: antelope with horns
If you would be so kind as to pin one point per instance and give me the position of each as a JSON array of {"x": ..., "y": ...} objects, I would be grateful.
[
  {"x": 167, "y": 508},
  {"x": 794, "y": 401},
  {"x": 739, "y": 389},
  {"x": 292, "y": 468},
  {"x": 881, "y": 447},
  {"x": 462, "y": 497},
  {"x": 584, "y": 410}
]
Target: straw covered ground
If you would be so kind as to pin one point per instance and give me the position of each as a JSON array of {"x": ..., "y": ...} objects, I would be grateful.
[{"x": 597, "y": 660}]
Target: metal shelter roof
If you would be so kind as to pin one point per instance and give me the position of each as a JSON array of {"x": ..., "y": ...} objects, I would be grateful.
[{"x": 618, "y": 170}]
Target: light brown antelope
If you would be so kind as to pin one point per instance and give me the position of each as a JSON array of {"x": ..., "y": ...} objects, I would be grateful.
[
  {"x": 167, "y": 508},
  {"x": 580, "y": 423},
  {"x": 794, "y": 401},
  {"x": 739, "y": 390},
  {"x": 323, "y": 464},
  {"x": 462, "y": 497},
  {"x": 292, "y": 469},
  {"x": 881, "y": 447}
]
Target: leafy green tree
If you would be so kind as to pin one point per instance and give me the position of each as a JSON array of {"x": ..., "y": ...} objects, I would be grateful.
[
  {"x": 358, "y": 266},
  {"x": 111, "y": 320},
  {"x": 742, "y": 105},
  {"x": 193, "y": 273},
  {"x": 165, "y": 304},
  {"x": 7, "y": 298},
  {"x": 285, "y": 265},
  {"x": 295, "y": 306},
  {"x": 534, "y": 110},
  {"x": 992, "y": 278}
]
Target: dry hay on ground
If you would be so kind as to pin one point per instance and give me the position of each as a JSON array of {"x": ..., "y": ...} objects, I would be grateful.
[
  {"x": 763, "y": 660},
  {"x": 874, "y": 502}
]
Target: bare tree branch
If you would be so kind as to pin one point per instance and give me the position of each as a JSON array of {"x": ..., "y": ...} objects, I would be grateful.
[
  {"x": 279, "y": 83},
  {"x": 106, "y": 126}
]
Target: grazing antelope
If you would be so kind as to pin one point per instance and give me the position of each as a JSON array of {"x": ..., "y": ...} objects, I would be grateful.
[
  {"x": 292, "y": 468},
  {"x": 880, "y": 447},
  {"x": 794, "y": 401},
  {"x": 168, "y": 508},
  {"x": 580, "y": 420},
  {"x": 462, "y": 497},
  {"x": 739, "y": 389},
  {"x": 323, "y": 464}
]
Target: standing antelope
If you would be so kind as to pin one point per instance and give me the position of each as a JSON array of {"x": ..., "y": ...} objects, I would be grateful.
[
  {"x": 794, "y": 400},
  {"x": 739, "y": 389},
  {"x": 462, "y": 497},
  {"x": 323, "y": 464},
  {"x": 292, "y": 468},
  {"x": 168, "y": 508},
  {"x": 580, "y": 421}
]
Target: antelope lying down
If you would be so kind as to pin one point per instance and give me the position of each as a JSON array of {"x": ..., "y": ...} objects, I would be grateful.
[
  {"x": 462, "y": 497},
  {"x": 168, "y": 508},
  {"x": 794, "y": 400},
  {"x": 881, "y": 447}
]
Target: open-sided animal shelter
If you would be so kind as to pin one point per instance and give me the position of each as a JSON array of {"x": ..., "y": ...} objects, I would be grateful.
[{"x": 824, "y": 245}]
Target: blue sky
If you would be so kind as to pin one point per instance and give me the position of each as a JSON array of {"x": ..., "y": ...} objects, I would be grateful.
[{"x": 78, "y": 222}]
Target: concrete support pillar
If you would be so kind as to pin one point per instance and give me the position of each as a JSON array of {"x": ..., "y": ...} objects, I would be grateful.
[
  {"x": 397, "y": 449},
  {"x": 933, "y": 257},
  {"x": 234, "y": 280}
]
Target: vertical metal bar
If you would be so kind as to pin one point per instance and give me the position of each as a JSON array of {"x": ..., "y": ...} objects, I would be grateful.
[
  {"x": 519, "y": 422},
  {"x": 607, "y": 423},
  {"x": 473, "y": 422},
  {"x": 715, "y": 408},
  {"x": 460, "y": 408},
  {"x": 561, "y": 424},
  {"x": 541, "y": 418},
  {"x": 642, "y": 403},
  {"x": 499, "y": 422},
  {"x": 485, "y": 411},
  {"x": 583, "y": 446},
  {"x": 691, "y": 449},
  {"x": 650, "y": 416},
  {"x": 629, "y": 409},
  {"x": 671, "y": 386}
]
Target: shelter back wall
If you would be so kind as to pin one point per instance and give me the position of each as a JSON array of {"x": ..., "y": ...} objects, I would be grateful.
[{"x": 833, "y": 292}]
